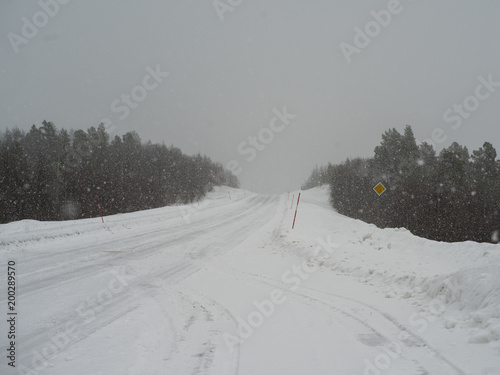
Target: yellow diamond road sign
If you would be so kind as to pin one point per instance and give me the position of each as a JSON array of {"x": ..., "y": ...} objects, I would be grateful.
[{"x": 379, "y": 189}]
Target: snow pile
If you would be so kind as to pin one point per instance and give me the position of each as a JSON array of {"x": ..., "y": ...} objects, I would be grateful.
[{"x": 474, "y": 291}]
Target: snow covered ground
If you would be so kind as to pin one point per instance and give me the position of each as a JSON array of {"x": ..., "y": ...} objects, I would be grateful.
[{"x": 227, "y": 287}]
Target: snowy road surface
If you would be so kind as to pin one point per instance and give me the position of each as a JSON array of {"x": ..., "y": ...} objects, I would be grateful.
[{"x": 226, "y": 287}]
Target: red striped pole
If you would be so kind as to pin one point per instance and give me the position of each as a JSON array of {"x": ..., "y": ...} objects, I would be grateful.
[
  {"x": 98, "y": 205},
  {"x": 298, "y": 199}
]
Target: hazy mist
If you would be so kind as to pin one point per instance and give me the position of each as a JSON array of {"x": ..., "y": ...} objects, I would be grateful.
[{"x": 304, "y": 80}]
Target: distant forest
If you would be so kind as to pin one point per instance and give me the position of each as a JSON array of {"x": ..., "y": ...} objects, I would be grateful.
[
  {"x": 51, "y": 174},
  {"x": 453, "y": 196}
]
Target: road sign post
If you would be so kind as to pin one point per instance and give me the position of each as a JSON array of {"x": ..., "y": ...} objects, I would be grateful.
[
  {"x": 99, "y": 206},
  {"x": 379, "y": 189},
  {"x": 296, "y": 207}
]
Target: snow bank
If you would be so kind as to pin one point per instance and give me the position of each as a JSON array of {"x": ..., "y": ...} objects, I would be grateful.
[
  {"x": 464, "y": 276},
  {"x": 24, "y": 232}
]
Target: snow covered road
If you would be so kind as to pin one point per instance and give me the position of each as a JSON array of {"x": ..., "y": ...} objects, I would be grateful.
[{"x": 224, "y": 286}]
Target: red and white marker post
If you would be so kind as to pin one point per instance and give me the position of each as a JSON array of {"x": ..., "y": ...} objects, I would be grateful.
[
  {"x": 98, "y": 205},
  {"x": 298, "y": 200}
]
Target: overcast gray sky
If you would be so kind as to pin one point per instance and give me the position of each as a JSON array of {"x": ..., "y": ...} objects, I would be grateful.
[{"x": 232, "y": 68}]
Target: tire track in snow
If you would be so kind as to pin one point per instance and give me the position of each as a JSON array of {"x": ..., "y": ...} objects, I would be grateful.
[
  {"x": 416, "y": 341},
  {"x": 210, "y": 350},
  {"x": 75, "y": 272},
  {"x": 82, "y": 268}
]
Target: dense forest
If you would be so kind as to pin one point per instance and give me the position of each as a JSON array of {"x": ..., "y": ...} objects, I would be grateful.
[
  {"x": 453, "y": 196},
  {"x": 51, "y": 174}
]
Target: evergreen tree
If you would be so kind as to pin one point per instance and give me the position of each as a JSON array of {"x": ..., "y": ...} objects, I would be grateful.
[
  {"x": 453, "y": 197},
  {"x": 48, "y": 174}
]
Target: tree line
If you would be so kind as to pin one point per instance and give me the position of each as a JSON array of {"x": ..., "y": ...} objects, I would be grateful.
[
  {"x": 51, "y": 174},
  {"x": 453, "y": 196}
]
